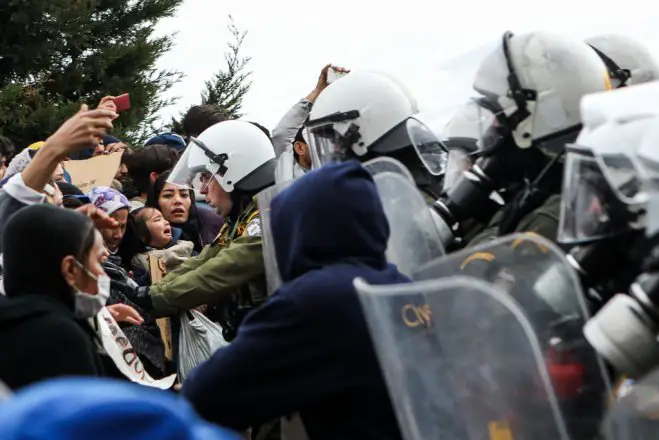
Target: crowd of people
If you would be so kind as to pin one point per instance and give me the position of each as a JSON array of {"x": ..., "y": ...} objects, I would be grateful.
[{"x": 223, "y": 284}]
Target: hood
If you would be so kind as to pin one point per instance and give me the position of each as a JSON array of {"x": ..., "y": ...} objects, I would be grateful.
[
  {"x": 34, "y": 242},
  {"x": 330, "y": 215},
  {"x": 102, "y": 409}
]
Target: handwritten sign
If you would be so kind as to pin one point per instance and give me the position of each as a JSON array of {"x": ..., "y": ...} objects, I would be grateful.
[
  {"x": 123, "y": 354},
  {"x": 97, "y": 171}
]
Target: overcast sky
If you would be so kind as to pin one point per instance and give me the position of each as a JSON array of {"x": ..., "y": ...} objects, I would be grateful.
[{"x": 290, "y": 40}]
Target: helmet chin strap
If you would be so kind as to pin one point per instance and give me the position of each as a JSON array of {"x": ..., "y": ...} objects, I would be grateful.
[
  {"x": 516, "y": 92},
  {"x": 615, "y": 71},
  {"x": 216, "y": 159}
]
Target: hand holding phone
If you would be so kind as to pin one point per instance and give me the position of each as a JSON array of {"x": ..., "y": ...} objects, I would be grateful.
[
  {"x": 335, "y": 73},
  {"x": 122, "y": 102}
]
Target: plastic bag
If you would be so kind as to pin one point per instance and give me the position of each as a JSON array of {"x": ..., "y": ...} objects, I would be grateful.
[{"x": 199, "y": 338}]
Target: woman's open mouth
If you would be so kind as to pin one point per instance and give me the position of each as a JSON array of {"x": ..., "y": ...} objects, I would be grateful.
[{"x": 178, "y": 212}]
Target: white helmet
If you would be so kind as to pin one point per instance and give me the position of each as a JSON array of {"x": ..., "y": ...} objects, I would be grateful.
[
  {"x": 237, "y": 153},
  {"x": 628, "y": 61},
  {"x": 534, "y": 82},
  {"x": 369, "y": 112}
]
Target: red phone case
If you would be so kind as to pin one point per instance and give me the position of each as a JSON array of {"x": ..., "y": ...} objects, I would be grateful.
[{"x": 122, "y": 102}]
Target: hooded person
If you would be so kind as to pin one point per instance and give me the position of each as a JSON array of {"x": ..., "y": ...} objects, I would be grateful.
[
  {"x": 307, "y": 349},
  {"x": 50, "y": 292},
  {"x": 80, "y": 409}
]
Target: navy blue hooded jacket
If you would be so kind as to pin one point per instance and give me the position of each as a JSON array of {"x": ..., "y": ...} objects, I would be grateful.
[{"x": 307, "y": 348}]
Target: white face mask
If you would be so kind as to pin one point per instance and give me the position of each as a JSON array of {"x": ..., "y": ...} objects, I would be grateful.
[{"x": 87, "y": 305}]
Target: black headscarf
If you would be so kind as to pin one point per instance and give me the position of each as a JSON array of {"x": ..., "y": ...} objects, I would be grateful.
[
  {"x": 192, "y": 228},
  {"x": 35, "y": 241}
]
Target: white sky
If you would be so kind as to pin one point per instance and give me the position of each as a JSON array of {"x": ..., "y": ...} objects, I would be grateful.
[{"x": 290, "y": 40}]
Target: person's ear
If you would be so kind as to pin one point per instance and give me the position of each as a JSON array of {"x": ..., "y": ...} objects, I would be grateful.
[
  {"x": 69, "y": 269},
  {"x": 153, "y": 176},
  {"x": 300, "y": 148}
]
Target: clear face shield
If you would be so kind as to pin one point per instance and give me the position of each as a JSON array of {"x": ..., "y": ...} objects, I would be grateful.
[
  {"x": 338, "y": 141},
  {"x": 197, "y": 164},
  {"x": 590, "y": 209},
  {"x": 472, "y": 130}
]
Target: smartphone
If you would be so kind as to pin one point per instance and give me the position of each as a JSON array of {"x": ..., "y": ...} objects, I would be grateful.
[
  {"x": 333, "y": 75},
  {"x": 122, "y": 102}
]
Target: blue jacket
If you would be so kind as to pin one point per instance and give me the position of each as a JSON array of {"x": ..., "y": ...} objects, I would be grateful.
[{"x": 307, "y": 348}]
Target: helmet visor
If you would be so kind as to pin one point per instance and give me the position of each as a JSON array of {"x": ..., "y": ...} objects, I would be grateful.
[
  {"x": 590, "y": 209},
  {"x": 195, "y": 159},
  {"x": 428, "y": 147},
  {"x": 336, "y": 142}
]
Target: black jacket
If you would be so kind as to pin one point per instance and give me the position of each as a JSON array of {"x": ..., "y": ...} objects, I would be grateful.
[{"x": 41, "y": 339}]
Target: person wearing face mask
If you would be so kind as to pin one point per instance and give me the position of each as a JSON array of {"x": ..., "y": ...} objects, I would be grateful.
[
  {"x": 50, "y": 295},
  {"x": 198, "y": 225}
]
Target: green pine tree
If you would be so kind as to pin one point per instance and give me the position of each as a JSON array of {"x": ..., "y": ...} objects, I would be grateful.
[
  {"x": 58, "y": 54},
  {"x": 230, "y": 85}
]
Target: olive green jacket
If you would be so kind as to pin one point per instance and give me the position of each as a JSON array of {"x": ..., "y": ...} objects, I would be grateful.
[
  {"x": 231, "y": 269},
  {"x": 543, "y": 221}
]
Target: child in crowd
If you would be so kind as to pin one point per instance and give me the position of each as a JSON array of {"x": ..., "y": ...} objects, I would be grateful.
[{"x": 160, "y": 241}]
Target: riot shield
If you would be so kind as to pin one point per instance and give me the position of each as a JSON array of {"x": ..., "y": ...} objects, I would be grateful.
[
  {"x": 387, "y": 164},
  {"x": 414, "y": 239},
  {"x": 263, "y": 199},
  {"x": 461, "y": 361},
  {"x": 635, "y": 416},
  {"x": 533, "y": 274}
]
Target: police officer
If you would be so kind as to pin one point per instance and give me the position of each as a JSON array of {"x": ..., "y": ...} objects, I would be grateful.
[
  {"x": 529, "y": 91},
  {"x": 365, "y": 115},
  {"x": 236, "y": 161}
]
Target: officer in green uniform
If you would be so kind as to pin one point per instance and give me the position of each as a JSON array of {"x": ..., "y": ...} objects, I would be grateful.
[{"x": 236, "y": 161}]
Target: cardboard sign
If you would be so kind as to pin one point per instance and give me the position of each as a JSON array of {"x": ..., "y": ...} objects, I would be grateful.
[
  {"x": 157, "y": 270},
  {"x": 97, "y": 171}
]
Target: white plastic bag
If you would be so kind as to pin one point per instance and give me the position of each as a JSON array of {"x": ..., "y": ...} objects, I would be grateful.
[{"x": 199, "y": 338}]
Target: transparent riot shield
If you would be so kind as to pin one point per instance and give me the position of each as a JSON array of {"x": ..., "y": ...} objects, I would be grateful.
[
  {"x": 462, "y": 362},
  {"x": 414, "y": 239},
  {"x": 263, "y": 199},
  {"x": 387, "y": 164},
  {"x": 523, "y": 273},
  {"x": 635, "y": 416}
]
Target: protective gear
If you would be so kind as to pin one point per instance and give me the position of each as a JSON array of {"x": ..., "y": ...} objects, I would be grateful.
[
  {"x": 413, "y": 240},
  {"x": 537, "y": 80},
  {"x": 87, "y": 305},
  {"x": 366, "y": 114},
  {"x": 524, "y": 311},
  {"x": 620, "y": 130},
  {"x": 263, "y": 201},
  {"x": 628, "y": 61},
  {"x": 527, "y": 106},
  {"x": 389, "y": 165},
  {"x": 237, "y": 153}
]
